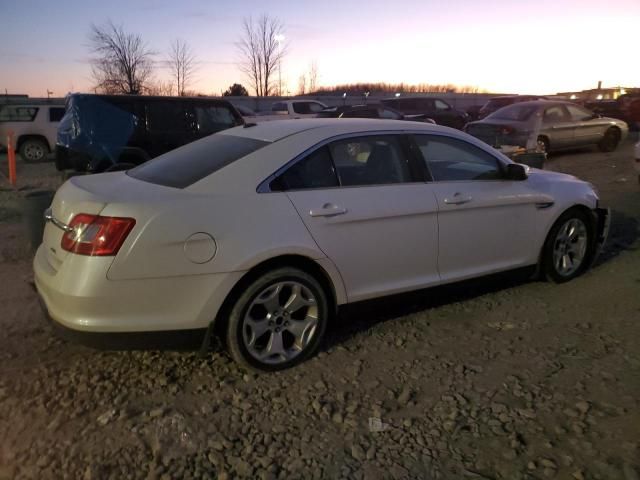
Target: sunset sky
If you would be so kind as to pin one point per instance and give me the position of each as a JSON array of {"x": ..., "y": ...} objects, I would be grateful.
[{"x": 498, "y": 45}]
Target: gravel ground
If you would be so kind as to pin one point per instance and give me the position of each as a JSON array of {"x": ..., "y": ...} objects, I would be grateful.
[{"x": 494, "y": 378}]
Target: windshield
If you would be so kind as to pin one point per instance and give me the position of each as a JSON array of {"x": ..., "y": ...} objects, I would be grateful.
[
  {"x": 515, "y": 112},
  {"x": 186, "y": 165}
]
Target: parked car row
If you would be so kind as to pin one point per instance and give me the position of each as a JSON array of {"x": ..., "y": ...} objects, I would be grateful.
[
  {"x": 101, "y": 133},
  {"x": 550, "y": 125},
  {"x": 105, "y": 133}
]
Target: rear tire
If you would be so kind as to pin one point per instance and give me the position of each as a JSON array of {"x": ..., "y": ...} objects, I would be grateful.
[
  {"x": 610, "y": 140},
  {"x": 33, "y": 150},
  {"x": 568, "y": 248},
  {"x": 543, "y": 144},
  {"x": 278, "y": 321}
]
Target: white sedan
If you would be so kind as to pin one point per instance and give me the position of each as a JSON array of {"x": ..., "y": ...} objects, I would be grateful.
[{"x": 264, "y": 230}]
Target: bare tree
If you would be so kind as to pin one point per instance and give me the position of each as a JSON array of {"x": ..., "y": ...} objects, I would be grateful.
[
  {"x": 313, "y": 77},
  {"x": 160, "y": 88},
  {"x": 182, "y": 64},
  {"x": 261, "y": 52},
  {"x": 122, "y": 62},
  {"x": 302, "y": 84}
]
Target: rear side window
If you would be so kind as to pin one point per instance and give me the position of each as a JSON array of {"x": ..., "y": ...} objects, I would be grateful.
[
  {"x": 18, "y": 114},
  {"x": 314, "y": 171},
  {"x": 56, "y": 114},
  {"x": 186, "y": 165},
  {"x": 376, "y": 160}
]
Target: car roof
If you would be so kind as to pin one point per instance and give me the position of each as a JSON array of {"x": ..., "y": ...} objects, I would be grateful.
[
  {"x": 542, "y": 101},
  {"x": 272, "y": 131}
]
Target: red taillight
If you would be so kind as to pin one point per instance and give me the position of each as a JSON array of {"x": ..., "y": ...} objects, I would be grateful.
[{"x": 96, "y": 236}]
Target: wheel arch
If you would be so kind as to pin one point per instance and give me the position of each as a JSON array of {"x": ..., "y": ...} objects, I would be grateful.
[
  {"x": 583, "y": 208},
  {"x": 32, "y": 136},
  {"x": 332, "y": 285}
]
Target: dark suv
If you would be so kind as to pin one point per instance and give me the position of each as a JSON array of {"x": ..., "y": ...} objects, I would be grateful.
[
  {"x": 435, "y": 108},
  {"x": 115, "y": 132}
]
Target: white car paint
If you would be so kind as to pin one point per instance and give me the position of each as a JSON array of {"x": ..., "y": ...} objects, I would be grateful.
[{"x": 391, "y": 238}]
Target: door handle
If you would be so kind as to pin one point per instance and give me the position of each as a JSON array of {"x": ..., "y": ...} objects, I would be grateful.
[
  {"x": 457, "y": 200},
  {"x": 328, "y": 210}
]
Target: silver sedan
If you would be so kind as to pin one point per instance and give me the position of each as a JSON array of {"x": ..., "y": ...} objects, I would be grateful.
[{"x": 552, "y": 125}]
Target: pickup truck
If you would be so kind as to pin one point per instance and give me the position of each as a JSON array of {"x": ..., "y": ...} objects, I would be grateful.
[
  {"x": 286, "y": 109},
  {"x": 34, "y": 128}
]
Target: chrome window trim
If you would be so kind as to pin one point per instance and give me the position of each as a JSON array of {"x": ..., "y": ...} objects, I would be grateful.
[{"x": 263, "y": 187}]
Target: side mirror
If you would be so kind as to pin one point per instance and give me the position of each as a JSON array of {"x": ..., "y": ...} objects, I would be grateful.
[{"x": 516, "y": 171}]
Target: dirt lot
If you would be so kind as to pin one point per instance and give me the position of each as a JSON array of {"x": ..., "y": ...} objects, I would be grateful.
[{"x": 496, "y": 378}]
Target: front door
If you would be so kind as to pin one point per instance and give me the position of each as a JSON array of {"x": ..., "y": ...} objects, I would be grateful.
[
  {"x": 486, "y": 223},
  {"x": 366, "y": 207}
]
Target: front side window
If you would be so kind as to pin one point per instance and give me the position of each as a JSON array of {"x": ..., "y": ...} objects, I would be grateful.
[
  {"x": 279, "y": 107},
  {"x": 449, "y": 159},
  {"x": 390, "y": 114},
  {"x": 314, "y": 171},
  {"x": 375, "y": 160},
  {"x": 440, "y": 105},
  {"x": 305, "y": 108},
  {"x": 579, "y": 114},
  {"x": 56, "y": 114},
  {"x": 18, "y": 114}
]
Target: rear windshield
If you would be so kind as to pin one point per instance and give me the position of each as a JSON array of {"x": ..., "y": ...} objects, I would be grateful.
[
  {"x": 500, "y": 102},
  {"x": 515, "y": 112},
  {"x": 186, "y": 165}
]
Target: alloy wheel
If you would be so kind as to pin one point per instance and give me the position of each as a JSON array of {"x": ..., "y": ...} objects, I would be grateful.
[
  {"x": 280, "y": 322},
  {"x": 570, "y": 247}
]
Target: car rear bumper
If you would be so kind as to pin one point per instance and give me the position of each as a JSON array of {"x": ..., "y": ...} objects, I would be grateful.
[{"x": 79, "y": 297}]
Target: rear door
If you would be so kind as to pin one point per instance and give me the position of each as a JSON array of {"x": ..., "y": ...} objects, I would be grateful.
[
  {"x": 485, "y": 222},
  {"x": 365, "y": 204}
]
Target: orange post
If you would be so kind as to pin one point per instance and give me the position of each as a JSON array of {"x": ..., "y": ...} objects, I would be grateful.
[{"x": 11, "y": 157}]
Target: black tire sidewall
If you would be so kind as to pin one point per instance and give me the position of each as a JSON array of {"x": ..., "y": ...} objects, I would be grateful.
[
  {"x": 235, "y": 343},
  {"x": 605, "y": 146},
  {"x": 547, "y": 255},
  {"x": 24, "y": 146}
]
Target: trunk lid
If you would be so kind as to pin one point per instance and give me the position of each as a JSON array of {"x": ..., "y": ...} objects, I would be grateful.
[{"x": 91, "y": 194}]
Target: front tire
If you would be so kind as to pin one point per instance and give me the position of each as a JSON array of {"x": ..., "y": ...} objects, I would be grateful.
[
  {"x": 278, "y": 321},
  {"x": 569, "y": 247},
  {"x": 543, "y": 145},
  {"x": 610, "y": 140},
  {"x": 33, "y": 150}
]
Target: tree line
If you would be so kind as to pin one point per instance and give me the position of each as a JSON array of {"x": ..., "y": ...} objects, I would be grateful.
[{"x": 123, "y": 63}]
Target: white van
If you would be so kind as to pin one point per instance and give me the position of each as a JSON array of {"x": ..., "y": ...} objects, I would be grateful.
[{"x": 34, "y": 128}]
